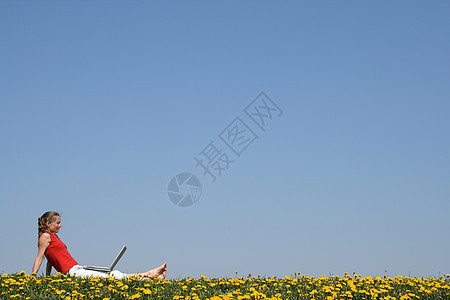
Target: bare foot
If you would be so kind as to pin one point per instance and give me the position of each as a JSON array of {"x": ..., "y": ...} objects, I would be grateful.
[
  {"x": 162, "y": 272},
  {"x": 162, "y": 276},
  {"x": 159, "y": 273}
]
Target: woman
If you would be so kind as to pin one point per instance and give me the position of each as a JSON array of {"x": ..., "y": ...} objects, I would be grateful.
[{"x": 58, "y": 257}]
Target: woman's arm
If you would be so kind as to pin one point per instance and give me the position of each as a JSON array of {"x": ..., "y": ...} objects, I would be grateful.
[
  {"x": 49, "y": 269},
  {"x": 44, "y": 241}
]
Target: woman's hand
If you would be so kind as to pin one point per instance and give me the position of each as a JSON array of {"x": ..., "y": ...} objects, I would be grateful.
[{"x": 44, "y": 241}]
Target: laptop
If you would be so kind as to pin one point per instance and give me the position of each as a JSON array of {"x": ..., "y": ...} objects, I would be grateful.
[{"x": 110, "y": 268}]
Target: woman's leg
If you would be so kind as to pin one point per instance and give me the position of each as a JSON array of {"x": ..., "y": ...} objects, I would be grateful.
[
  {"x": 159, "y": 273},
  {"x": 79, "y": 271}
]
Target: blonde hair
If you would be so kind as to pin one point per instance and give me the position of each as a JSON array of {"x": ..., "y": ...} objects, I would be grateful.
[{"x": 49, "y": 217}]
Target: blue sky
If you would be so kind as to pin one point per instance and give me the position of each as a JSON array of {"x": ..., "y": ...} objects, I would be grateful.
[{"x": 102, "y": 103}]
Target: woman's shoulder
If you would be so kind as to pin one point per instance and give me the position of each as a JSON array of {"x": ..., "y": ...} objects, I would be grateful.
[
  {"x": 44, "y": 240},
  {"x": 45, "y": 236}
]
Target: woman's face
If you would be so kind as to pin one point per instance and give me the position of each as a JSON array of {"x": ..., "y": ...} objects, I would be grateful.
[{"x": 55, "y": 225}]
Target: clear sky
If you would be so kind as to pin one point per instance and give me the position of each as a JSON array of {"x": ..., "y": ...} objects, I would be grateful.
[{"x": 102, "y": 103}]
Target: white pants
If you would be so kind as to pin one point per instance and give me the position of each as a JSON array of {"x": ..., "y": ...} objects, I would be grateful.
[{"x": 79, "y": 271}]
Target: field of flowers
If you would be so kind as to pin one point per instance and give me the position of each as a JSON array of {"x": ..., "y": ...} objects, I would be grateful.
[{"x": 24, "y": 286}]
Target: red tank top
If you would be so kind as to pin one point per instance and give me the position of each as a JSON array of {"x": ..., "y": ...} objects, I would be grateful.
[{"x": 58, "y": 256}]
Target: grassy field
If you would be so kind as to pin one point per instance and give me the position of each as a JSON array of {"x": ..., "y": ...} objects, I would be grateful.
[{"x": 24, "y": 286}]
